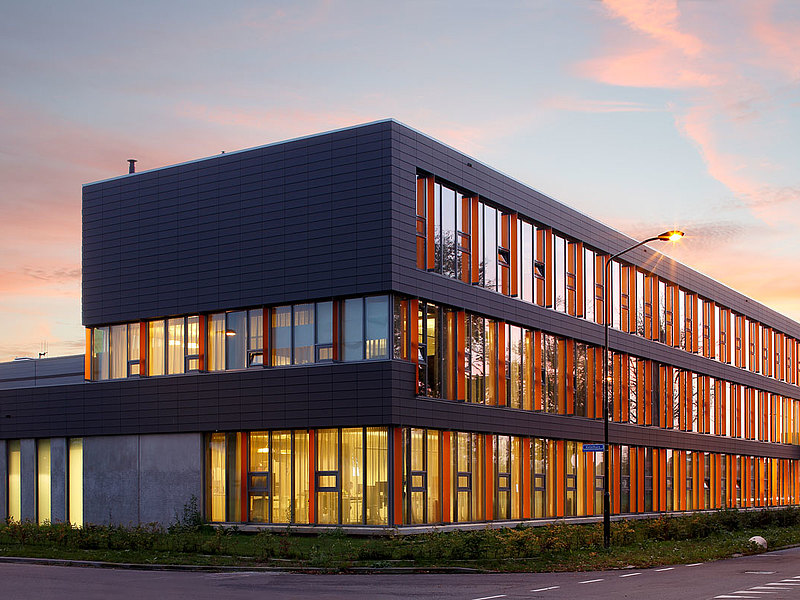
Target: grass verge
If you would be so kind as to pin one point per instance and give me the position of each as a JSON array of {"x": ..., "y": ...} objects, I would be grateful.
[{"x": 557, "y": 547}]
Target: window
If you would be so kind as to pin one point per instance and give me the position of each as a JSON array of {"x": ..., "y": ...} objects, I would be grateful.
[{"x": 155, "y": 348}]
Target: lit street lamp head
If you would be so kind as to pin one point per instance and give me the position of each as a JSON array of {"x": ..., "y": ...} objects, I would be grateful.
[{"x": 671, "y": 236}]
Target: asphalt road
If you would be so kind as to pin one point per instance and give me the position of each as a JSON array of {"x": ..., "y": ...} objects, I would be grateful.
[{"x": 772, "y": 576}]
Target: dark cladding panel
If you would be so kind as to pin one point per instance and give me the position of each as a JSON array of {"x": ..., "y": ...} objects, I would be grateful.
[{"x": 251, "y": 227}]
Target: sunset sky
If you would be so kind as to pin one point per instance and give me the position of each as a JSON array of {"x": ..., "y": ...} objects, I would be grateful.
[{"x": 646, "y": 115}]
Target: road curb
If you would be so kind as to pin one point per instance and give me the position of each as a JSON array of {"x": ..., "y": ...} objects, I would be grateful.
[{"x": 97, "y": 564}]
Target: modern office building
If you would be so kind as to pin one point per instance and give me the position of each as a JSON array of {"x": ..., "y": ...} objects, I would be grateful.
[{"x": 367, "y": 327}]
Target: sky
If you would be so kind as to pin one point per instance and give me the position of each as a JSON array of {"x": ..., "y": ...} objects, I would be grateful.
[{"x": 644, "y": 114}]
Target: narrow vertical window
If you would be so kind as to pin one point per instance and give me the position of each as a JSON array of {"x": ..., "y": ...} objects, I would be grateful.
[
  {"x": 216, "y": 342},
  {"x": 155, "y": 348},
  {"x": 75, "y": 482},
  {"x": 281, "y": 336},
  {"x": 236, "y": 340},
  {"x": 215, "y": 478},
  {"x": 327, "y": 476},
  {"x": 100, "y": 353},
  {"x": 255, "y": 337},
  {"x": 134, "y": 348},
  {"x": 193, "y": 343},
  {"x": 353, "y": 325},
  {"x": 377, "y": 327},
  {"x": 175, "y": 346},
  {"x": 258, "y": 478},
  {"x": 324, "y": 332},
  {"x": 119, "y": 351},
  {"x": 303, "y": 334},
  {"x": 14, "y": 481}
]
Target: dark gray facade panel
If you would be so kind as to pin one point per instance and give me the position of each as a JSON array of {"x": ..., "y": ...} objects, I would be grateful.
[{"x": 253, "y": 246}]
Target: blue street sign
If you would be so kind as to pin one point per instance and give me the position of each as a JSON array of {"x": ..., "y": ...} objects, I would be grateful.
[{"x": 593, "y": 447}]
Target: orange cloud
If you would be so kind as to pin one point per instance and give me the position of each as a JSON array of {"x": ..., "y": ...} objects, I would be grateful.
[{"x": 780, "y": 41}]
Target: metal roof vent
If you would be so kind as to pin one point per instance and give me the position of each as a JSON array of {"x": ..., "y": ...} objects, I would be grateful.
[{"x": 131, "y": 165}]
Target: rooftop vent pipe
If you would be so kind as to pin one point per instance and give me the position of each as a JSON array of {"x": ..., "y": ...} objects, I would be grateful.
[{"x": 131, "y": 165}]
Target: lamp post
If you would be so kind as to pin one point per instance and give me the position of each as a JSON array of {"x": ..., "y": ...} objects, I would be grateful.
[{"x": 667, "y": 236}]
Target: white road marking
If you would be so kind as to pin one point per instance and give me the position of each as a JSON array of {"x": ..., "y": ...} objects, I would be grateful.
[
  {"x": 665, "y": 569},
  {"x": 694, "y": 565},
  {"x": 752, "y": 592},
  {"x": 630, "y": 575},
  {"x": 490, "y": 597},
  {"x": 761, "y": 587},
  {"x": 552, "y": 587},
  {"x": 591, "y": 581},
  {"x": 760, "y": 572},
  {"x": 726, "y": 596},
  {"x": 788, "y": 583}
]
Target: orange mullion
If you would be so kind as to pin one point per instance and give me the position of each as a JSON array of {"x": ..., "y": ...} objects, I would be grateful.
[
  {"x": 615, "y": 478},
  {"x": 691, "y": 300},
  {"x": 501, "y": 363},
  {"x": 599, "y": 357},
  {"x": 447, "y": 463},
  {"x": 143, "y": 342},
  {"x": 87, "y": 357},
  {"x": 413, "y": 331},
  {"x": 680, "y": 455},
  {"x": 706, "y": 404},
  {"x": 560, "y": 478},
  {"x": 616, "y": 388},
  {"x": 488, "y": 480},
  {"x": 663, "y": 479},
  {"x": 640, "y": 479},
  {"x": 430, "y": 251},
  {"x": 568, "y": 376},
  {"x": 513, "y": 267},
  {"x": 526, "y": 478},
  {"x": 647, "y": 367},
  {"x": 589, "y": 482},
  {"x": 201, "y": 351}
]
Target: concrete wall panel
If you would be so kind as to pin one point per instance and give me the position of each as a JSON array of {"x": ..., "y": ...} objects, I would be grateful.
[
  {"x": 111, "y": 479},
  {"x": 58, "y": 480},
  {"x": 171, "y": 472}
]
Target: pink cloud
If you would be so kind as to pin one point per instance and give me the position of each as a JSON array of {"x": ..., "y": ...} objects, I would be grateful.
[
  {"x": 780, "y": 40},
  {"x": 658, "y": 19},
  {"x": 658, "y": 66}
]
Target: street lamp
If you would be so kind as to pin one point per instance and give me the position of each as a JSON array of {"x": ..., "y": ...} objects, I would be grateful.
[{"x": 667, "y": 236}]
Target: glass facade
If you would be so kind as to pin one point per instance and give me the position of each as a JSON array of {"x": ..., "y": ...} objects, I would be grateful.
[{"x": 352, "y": 329}]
